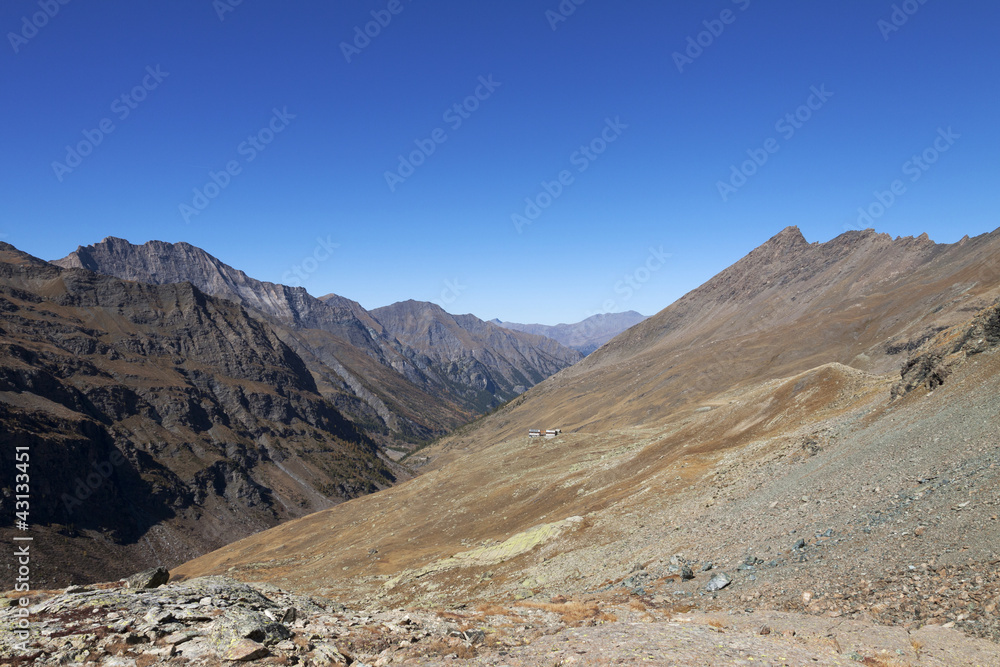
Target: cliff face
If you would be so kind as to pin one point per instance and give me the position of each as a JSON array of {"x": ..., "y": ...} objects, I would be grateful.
[
  {"x": 161, "y": 422},
  {"x": 483, "y": 363}
]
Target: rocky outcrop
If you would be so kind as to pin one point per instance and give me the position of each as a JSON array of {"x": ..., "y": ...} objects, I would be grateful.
[
  {"x": 585, "y": 336},
  {"x": 209, "y": 620},
  {"x": 484, "y": 364},
  {"x": 161, "y": 422},
  {"x": 936, "y": 359}
]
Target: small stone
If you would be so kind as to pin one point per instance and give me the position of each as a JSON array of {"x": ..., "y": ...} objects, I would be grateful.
[
  {"x": 807, "y": 597},
  {"x": 800, "y": 545},
  {"x": 289, "y": 615},
  {"x": 919, "y": 531},
  {"x": 246, "y": 650},
  {"x": 707, "y": 567},
  {"x": 718, "y": 582},
  {"x": 764, "y": 630},
  {"x": 686, "y": 573},
  {"x": 558, "y": 599}
]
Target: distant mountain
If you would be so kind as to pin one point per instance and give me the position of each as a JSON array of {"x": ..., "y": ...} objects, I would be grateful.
[
  {"x": 483, "y": 363},
  {"x": 363, "y": 369},
  {"x": 585, "y": 336},
  {"x": 160, "y": 422}
]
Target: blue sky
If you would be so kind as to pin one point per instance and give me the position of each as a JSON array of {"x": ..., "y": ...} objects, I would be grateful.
[{"x": 627, "y": 149}]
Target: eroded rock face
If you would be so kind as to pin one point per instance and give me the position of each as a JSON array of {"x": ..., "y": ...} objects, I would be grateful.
[{"x": 936, "y": 359}]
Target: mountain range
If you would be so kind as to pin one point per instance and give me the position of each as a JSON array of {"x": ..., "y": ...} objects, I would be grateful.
[
  {"x": 585, "y": 336},
  {"x": 394, "y": 391}
]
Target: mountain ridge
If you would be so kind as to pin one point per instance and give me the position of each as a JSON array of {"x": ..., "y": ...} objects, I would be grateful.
[
  {"x": 585, "y": 336},
  {"x": 494, "y": 363}
]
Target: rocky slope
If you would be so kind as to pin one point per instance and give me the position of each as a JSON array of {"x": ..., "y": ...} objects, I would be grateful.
[
  {"x": 358, "y": 365},
  {"x": 480, "y": 362},
  {"x": 741, "y": 451},
  {"x": 585, "y": 336},
  {"x": 161, "y": 422}
]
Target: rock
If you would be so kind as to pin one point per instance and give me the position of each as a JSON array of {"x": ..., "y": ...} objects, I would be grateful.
[
  {"x": 246, "y": 650},
  {"x": 149, "y": 578},
  {"x": 238, "y": 624},
  {"x": 327, "y": 654},
  {"x": 558, "y": 599},
  {"x": 807, "y": 597},
  {"x": 289, "y": 615},
  {"x": 178, "y": 638},
  {"x": 800, "y": 545},
  {"x": 718, "y": 582},
  {"x": 475, "y": 636},
  {"x": 707, "y": 567},
  {"x": 686, "y": 573},
  {"x": 764, "y": 630}
]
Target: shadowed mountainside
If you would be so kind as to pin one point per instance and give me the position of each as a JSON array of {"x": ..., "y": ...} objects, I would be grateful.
[
  {"x": 357, "y": 364},
  {"x": 161, "y": 422}
]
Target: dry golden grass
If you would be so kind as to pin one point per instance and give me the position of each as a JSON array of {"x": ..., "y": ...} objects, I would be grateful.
[{"x": 573, "y": 612}]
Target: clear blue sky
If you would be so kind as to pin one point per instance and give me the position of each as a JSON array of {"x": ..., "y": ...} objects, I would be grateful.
[{"x": 445, "y": 233}]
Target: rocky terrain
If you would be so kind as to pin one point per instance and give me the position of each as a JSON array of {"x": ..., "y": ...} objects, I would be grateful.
[
  {"x": 480, "y": 362},
  {"x": 161, "y": 422},
  {"x": 585, "y": 336}
]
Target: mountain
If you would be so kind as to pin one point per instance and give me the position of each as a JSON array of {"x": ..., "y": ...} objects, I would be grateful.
[
  {"x": 585, "y": 336},
  {"x": 159, "y": 422},
  {"x": 813, "y": 432},
  {"x": 358, "y": 365},
  {"x": 482, "y": 363}
]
